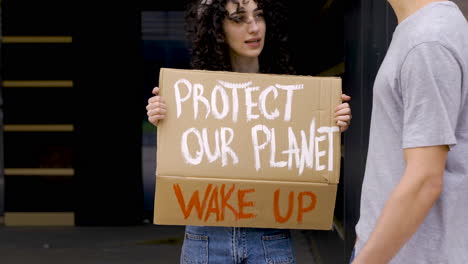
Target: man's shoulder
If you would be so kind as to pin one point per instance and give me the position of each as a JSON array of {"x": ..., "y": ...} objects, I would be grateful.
[
  {"x": 437, "y": 23},
  {"x": 448, "y": 29}
]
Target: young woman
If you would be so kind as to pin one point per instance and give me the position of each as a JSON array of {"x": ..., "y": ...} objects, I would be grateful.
[{"x": 240, "y": 36}]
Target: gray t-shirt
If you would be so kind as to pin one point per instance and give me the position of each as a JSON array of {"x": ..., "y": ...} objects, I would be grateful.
[{"x": 421, "y": 99}]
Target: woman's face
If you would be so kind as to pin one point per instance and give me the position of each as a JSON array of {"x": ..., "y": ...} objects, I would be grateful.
[{"x": 244, "y": 28}]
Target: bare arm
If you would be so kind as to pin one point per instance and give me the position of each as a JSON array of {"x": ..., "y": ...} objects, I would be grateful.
[{"x": 408, "y": 205}]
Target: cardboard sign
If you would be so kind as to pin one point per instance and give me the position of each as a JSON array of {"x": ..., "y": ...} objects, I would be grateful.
[{"x": 247, "y": 150}]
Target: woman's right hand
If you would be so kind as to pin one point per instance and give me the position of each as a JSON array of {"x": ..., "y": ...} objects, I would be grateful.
[{"x": 156, "y": 108}]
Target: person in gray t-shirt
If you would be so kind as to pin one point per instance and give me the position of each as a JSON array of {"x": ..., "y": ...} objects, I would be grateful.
[{"x": 414, "y": 202}]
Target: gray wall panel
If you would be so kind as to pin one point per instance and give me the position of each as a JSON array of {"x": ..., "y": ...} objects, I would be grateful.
[
  {"x": 2, "y": 177},
  {"x": 463, "y": 4}
]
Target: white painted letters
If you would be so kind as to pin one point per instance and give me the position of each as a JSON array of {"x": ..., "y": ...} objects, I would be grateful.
[
  {"x": 185, "y": 148},
  {"x": 290, "y": 89},
  {"x": 225, "y": 149},
  {"x": 249, "y": 103},
  {"x": 263, "y": 101},
  {"x": 305, "y": 148},
  {"x": 214, "y": 103},
  {"x": 178, "y": 99},
  {"x": 198, "y": 97},
  {"x": 222, "y": 150}
]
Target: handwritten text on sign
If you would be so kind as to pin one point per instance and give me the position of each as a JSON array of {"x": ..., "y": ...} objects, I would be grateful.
[
  {"x": 303, "y": 149},
  {"x": 250, "y": 150},
  {"x": 215, "y": 201}
]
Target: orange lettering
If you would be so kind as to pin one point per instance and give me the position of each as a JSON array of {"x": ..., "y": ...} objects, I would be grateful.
[
  {"x": 278, "y": 217},
  {"x": 242, "y": 204},
  {"x": 194, "y": 201},
  {"x": 224, "y": 202},
  {"x": 301, "y": 210},
  {"x": 211, "y": 209}
]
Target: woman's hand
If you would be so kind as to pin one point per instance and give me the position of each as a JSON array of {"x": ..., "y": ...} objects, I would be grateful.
[
  {"x": 343, "y": 113},
  {"x": 156, "y": 108}
]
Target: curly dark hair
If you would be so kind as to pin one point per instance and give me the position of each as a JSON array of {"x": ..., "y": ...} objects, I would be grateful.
[{"x": 209, "y": 51}]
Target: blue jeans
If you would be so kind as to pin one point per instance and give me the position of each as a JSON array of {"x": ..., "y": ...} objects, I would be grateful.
[
  {"x": 353, "y": 255},
  {"x": 235, "y": 245}
]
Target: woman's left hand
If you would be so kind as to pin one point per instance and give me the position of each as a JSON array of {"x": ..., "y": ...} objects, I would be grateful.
[{"x": 343, "y": 113}]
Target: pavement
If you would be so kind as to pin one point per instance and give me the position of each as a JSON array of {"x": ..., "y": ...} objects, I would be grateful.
[
  {"x": 101, "y": 245},
  {"x": 90, "y": 245}
]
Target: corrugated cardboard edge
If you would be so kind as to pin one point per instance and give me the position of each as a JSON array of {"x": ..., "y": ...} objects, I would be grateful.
[
  {"x": 159, "y": 131},
  {"x": 240, "y": 73}
]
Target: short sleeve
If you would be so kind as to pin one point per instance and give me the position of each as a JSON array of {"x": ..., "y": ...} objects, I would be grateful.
[{"x": 431, "y": 90}]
